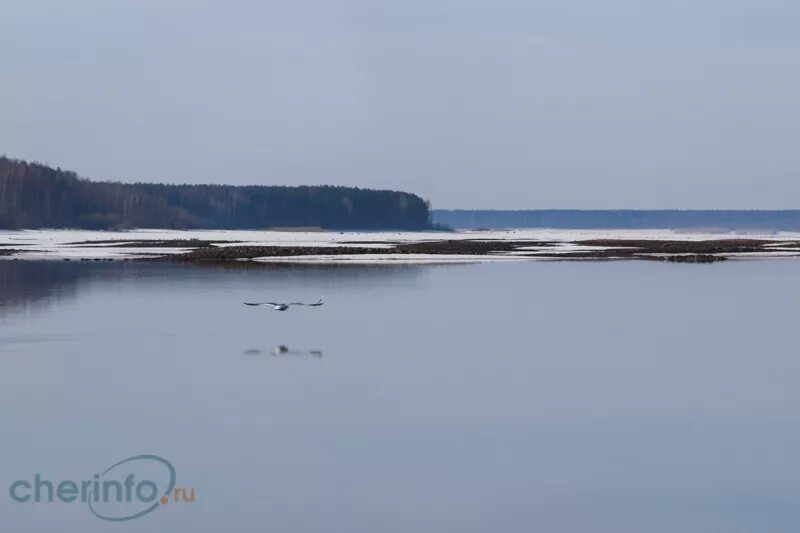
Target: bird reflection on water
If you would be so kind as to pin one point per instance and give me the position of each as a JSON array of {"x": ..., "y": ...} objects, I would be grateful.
[{"x": 283, "y": 350}]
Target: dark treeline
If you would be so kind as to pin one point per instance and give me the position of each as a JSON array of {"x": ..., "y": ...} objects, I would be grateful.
[
  {"x": 620, "y": 219},
  {"x": 33, "y": 195}
]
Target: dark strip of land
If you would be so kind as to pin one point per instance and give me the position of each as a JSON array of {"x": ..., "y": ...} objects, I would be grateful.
[
  {"x": 684, "y": 251},
  {"x": 676, "y": 251},
  {"x": 785, "y": 220}
]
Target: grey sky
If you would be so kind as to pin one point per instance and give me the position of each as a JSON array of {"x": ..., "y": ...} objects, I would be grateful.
[{"x": 470, "y": 103}]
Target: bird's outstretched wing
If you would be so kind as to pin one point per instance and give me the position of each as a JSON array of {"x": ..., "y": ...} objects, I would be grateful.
[
  {"x": 260, "y": 303},
  {"x": 318, "y": 303}
]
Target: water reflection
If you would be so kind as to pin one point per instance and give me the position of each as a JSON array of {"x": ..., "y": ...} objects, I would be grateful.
[
  {"x": 283, "y": 350},
  {"x": 28, "y": 339},
  {"x": 31, "y": 285}
]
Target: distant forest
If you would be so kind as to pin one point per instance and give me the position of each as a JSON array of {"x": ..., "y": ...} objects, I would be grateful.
[
  {"x": 33, "y": 195},
  {"x": 620, "y": 219}
]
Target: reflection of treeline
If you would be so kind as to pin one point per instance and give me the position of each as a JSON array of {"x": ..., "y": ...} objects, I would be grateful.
[
  {"x": 33, "y": 195},
  {"x": 26, "y": 283}
]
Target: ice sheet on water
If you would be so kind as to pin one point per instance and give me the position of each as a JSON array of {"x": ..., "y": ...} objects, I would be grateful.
[{"x": 59, "y": 244}]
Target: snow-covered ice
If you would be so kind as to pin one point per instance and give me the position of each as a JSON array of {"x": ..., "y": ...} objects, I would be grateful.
[{"x": 72, "y": 244}]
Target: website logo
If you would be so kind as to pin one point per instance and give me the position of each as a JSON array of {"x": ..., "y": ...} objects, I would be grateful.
[{"x": 127, "y": 490}]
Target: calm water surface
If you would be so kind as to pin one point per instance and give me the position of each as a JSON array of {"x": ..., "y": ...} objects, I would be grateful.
[{"x": 515, "y": 397}]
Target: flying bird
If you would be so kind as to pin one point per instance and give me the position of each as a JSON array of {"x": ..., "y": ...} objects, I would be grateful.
[{"x": 277, "y": 306}]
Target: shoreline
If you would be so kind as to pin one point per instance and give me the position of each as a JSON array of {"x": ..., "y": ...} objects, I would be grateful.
[{"x": 379, "y": 247}]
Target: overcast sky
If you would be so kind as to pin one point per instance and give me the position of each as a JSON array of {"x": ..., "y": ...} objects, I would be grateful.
[{"x": 469, "y": 103}]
